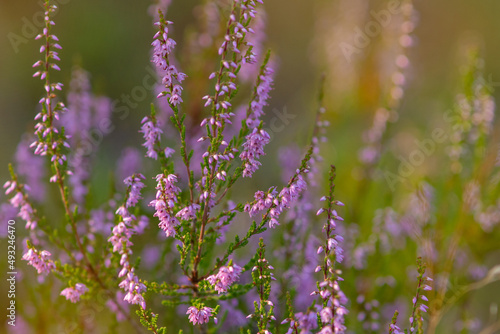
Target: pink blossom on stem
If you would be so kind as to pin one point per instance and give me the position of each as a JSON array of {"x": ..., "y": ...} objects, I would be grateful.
[
  {"x": 20, "y": 201},
  {"x": 166, "y": 197},
  {"x": 152, "y": 134},
  {"x": 172, "y": 78},
  {"x": 253, "y": 150},
  {"x": 225, "y": 277},
  {"x": 262, "y": 95},
  {"x": 73, "y": 293},
  {"x": 39, "y": 260},
  {"x": 135, "y": 185},
  {"x": 120, "y": 240},
  {"x": 199, "y": 316},
  {"x": 277, "y": 203}
]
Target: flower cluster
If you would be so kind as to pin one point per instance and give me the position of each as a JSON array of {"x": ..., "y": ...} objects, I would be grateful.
[
  {"x": 20, "y": 201},
  {"x": 277, "y": 203},
  {"x": 135, "y": 184},
  {"x": 172, "y": 78},
  {"x": 189, "y": 212},
  {"x": 73, "y": 293},
  {"x": 253, "y": 149},
  {"x": 166, "y": 197},
  {"x": 419, "y": 299},
  {"x": 201, "y": 315},
  {"x": 152, "y": 134},
  {"x": 39, "y": 260},
  {"x": 120, "y": 240},
  {"x": 261, "y": 96},
  {"x": 225, "y": 277},
  {"x": 333, "y": 298}
]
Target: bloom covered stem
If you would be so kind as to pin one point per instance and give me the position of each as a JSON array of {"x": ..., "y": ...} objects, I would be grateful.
[
  {"x": 166, "y": 199},
  {"x": 334, "y": 300},
  {"x": 420, "y": 298},
  {"x": 120, "y": 240},
  {"x": 20, "y": 201}
]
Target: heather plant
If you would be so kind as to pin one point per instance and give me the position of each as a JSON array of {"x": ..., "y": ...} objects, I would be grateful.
[{"x": 180, "y": 245}]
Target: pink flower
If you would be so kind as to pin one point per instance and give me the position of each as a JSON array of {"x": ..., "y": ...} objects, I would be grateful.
[
  {"x": 166, "y": 197},
  {"x": 20, "y": 202},
  {"x": 152, "y": 135},
  {"x": 260, "y": 101},
  {"x": 253, "y": 148},
  {"x": 277, "y": 203},
  {"x": 171, "y": 77},
  {"x": 135, "y": 184},
  {"x": 73, "y": 293},
  {"x": 197, "y": 316},
  {"x": 225, "y": 277},
  {"x": 39, "y": 260},
  {"x": 188, "y": 212}
]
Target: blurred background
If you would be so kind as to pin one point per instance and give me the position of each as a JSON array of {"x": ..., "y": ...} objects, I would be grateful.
[{"x": 111, "y": 40}]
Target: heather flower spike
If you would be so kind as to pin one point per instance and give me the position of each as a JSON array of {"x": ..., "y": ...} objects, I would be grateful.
[
  {"x": 120, "y": 240},
  {"x": 419, "y": 307},
  {"x": 165, "y": 203},
  {"x": 333, "y": 298},
  {"x": 262, "y": 277},
  {"x": 201, "y": 314},
  {"x": 51, "y": 140},
  {"x": 19, "y": 200}
]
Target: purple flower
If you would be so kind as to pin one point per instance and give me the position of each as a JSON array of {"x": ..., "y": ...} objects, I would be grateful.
[
  {"x": 326, "y": 330},
  {"x": 199, "y": 316},
  {"x": 166, "y": 197},
  {"x": 135, "y": 185},
  {"x": 225, "y": 277},
  {"x": 257, "y": 36},
  {"x": 260, "y": 100},
  {"x": 277, "y": 203},
  {"x": 162, "y": 48},
  {"x": 253, "y": 149},
  {"x": 326, "y": 314},
  {"x": 39, "y": 260},
  {"x": 48, "y": 139},
  {"x": 307, "y": 321},
  {"x": 152, "y": 134},
  {"x": 20, "y": 201},
  {"x": 121, "y": 243},
  {"x": 189, "y": 212},
  {"x": 73, "y": 293}
]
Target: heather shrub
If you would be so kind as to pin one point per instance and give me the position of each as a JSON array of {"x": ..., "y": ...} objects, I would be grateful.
[{"x": 184, "y": 236}]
